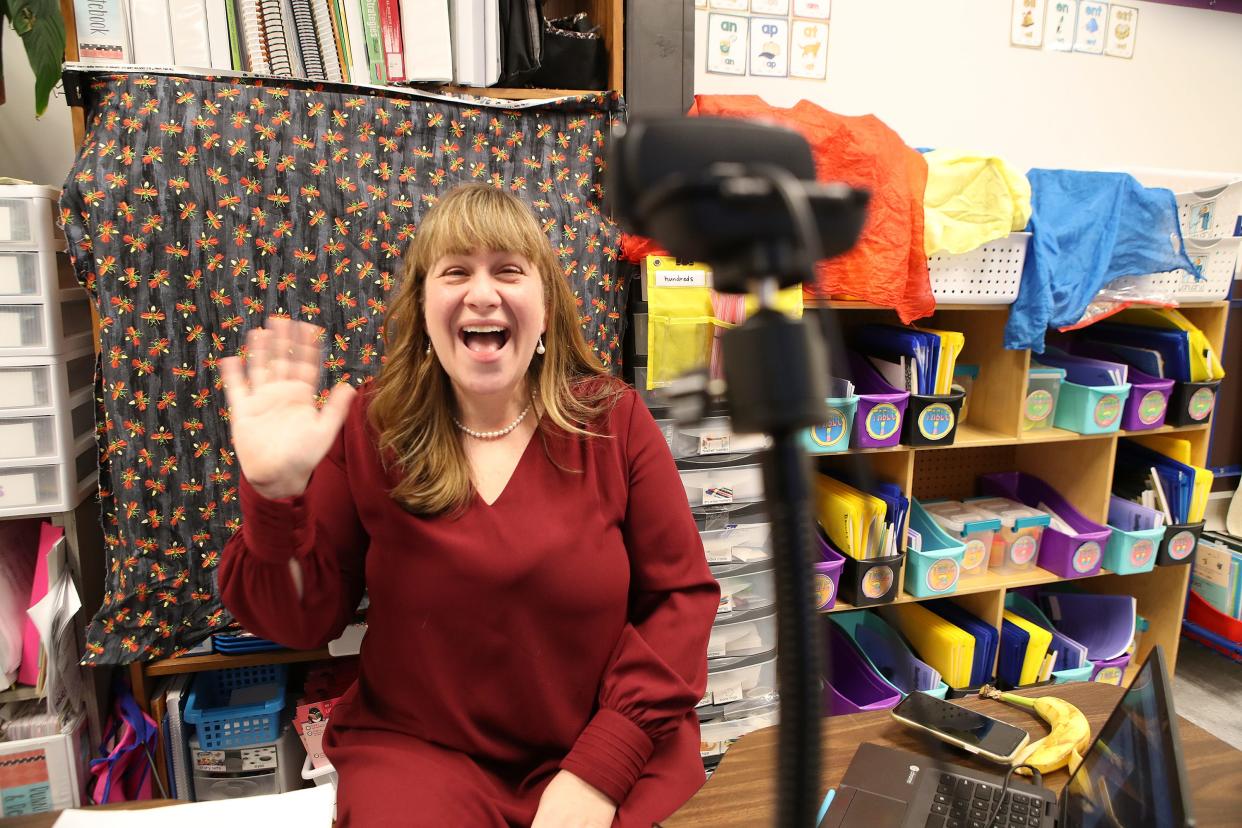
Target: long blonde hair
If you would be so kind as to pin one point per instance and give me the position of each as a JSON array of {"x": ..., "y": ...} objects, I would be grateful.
[{"x": 411, "y": 407}]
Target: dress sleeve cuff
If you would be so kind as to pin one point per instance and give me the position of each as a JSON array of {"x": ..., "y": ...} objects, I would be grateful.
[
  {"x": 274, "y": 529},
  {"x": 610, "y": 754}
]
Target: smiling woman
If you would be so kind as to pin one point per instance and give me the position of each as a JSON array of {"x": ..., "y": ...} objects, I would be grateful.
[{"x": 540, "y": 601}]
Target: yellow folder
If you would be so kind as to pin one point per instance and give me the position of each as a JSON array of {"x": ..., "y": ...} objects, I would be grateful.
[
  {"x": 1036, "y": 648},
  {"x": 1204, "y": 363},
  {"x": 951, "y": 344},
  {"x": 853, "y": 520},
  {"x": 1178, "y": 449},
  {"x": 942, "y": 644}
]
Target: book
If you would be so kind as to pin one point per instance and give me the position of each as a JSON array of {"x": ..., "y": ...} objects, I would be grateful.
[
  {"x": 253, "y": 45},
  {"x": 374, "y": 41},
  {"x": 307, "y": 39},
  {"x": 151, "y": 31},
  {"x": 233, "y": 19},
  {"x": 219, "y": 43},
  {"x": 191, "y": 38},
  {"x": 354, "y": 34},
  {"x": 327, "y": 41},
  {"x": 426, "y": 40},
  {"x": 274, "y": 42},
  {"x": 103, "y": 31},
  {"x": 390, "y": 32}
]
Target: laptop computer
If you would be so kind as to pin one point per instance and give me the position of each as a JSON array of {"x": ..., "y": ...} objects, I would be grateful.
[{"x": 1132, "y": 775}]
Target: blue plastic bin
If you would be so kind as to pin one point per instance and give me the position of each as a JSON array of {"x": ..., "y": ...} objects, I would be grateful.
[
  {"x": 1129, "y": 552},
  {"x": 1082, "y": 673},
  {"x": 934, "y": 569},
  {"x": 1091, "y": 409},
  {"x": 833, "y": 435},
  {"x": 223, "y": 724}
]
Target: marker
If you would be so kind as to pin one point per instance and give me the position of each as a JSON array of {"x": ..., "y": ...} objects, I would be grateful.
[{"x": 823, "y": 809}]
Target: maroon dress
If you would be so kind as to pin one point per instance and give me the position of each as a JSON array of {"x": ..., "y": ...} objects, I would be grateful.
[{"x": 564, "y": 626}]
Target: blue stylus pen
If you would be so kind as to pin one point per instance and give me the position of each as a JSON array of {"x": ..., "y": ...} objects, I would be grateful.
[{"x": 823, "y": 809}]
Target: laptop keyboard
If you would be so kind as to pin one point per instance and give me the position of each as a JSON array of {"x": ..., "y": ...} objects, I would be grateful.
[{"x": 965, "y": 803}]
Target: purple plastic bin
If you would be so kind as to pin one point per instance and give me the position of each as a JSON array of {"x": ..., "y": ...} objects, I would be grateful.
[
  {"x": 1110, "y": 671},
  {"x": 853, "y": 686},
  {"x": 881, "y": 407},
  {"x": 1148, "y": 403},
  {"x": 1077, "y": 555},
  {"x": 827, "y": 575}
]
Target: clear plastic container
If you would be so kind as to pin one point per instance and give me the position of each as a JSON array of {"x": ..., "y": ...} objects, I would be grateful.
[
  {"x": 1015, "y": 546},
  {"x": 732, "y": 680},
  {"x": 714, "y": 436},
  {"x": 743, "y": 633},
  {"x": 746, "y": 587},
  {"x": 738, "y": 543},
  {"x": 1043, "y": 387},
  {"x": 972, "y": 526},
  {"x": 718, "y": 485}
]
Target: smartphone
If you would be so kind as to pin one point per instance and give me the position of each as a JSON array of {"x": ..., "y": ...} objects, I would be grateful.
[{"x": 968, "y": 729}]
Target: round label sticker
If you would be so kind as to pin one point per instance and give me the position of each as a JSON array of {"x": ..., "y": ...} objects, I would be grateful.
[
  {"x": 1201, "y": 403},
  {"x": 1022, "y": 550},
  {"x": 936, "y": 421},
  {"x": 1181, "y": 545},
  {"x": 1109, "y": 675},
  {"x": 883, "y": 421},
  {"x": 1039, "y": 405},
  {"x": 1087, "y": 557},
  {"x": 942, "y": 575},
  {"x": 824, "y": 590},
  {"x": 975, "y": 553},
  {"x": 1151, "y": 407},
  {"x": 1107, "y": 410},
  {"x": 877, "y": 581},
  {"x": 1141, "y": 552},
  {"x": 833, "y": 431}
]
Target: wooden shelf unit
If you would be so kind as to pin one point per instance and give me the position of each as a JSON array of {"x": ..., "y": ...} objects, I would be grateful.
[{"x": 991, "y": 440}]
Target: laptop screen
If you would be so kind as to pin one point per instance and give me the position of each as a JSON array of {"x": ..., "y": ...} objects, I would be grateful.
[{"x": 1132, "y": 774}]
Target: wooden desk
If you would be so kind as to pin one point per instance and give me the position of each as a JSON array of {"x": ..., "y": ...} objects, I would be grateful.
[{"x": 740, "y": 792}]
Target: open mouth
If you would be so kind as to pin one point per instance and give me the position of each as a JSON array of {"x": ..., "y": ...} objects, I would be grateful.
[{"x": 484, "y": 339}]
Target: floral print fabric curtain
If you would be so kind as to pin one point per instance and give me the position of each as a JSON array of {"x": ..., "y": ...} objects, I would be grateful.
[{"x": 198, "y": 206}]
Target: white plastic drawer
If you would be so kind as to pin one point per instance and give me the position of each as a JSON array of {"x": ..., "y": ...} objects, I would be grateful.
[
  {"x": 47, "y": 436},
  {"x": 28, "y": 217},
  {"x": 745, "y": 587},
  {"x": 738, "y": 543},
  {"x": 33, "y": 273},
  {"x": 208, "y": 788},
  {"x": 36, "y": 489},
  {"x": 734, "y": 679},
  {"x": 740, "y": 718},
  {"x": 723, "y": 484},
  {"x": 33, "y": 328},
  {"x": 743, "y": 633},
  {"x": 44, "y": 384},
  {"x": 714, "y": 436}
]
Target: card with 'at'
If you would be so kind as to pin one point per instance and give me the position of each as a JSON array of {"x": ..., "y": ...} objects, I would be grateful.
[{"x": 808, "y": 50}]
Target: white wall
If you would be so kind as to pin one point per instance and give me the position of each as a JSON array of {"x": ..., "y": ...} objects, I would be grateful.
[
  {"x": 942, "y": 74},
  {"x": 35, "y": 149}
]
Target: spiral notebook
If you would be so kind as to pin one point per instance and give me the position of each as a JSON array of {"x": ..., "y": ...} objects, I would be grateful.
[
  {"x": 253, "y": 47},
  {"x": 307, "y": 38},
  {"x": 274, "y": 38}
]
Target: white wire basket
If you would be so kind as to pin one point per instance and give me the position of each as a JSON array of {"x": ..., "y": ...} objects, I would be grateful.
[{"x": 988, "y": 275}]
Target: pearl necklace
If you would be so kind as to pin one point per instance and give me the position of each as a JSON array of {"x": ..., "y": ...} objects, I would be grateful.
[{"x": 492, "y": 435}]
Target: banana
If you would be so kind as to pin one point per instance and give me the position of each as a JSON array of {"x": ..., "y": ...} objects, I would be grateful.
[{"x": 1065, "y": 745}]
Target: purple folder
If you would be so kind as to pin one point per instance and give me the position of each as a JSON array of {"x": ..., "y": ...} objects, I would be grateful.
[
  {"x": 1076, "y": 555},
  {"x": 1148, "y": 402},
  {"x": 853, "y": 685},
  {"x": 881, "y": 407},
  {"x": 1104, "y": 624},
  {"x": 1083, "y": 370}
]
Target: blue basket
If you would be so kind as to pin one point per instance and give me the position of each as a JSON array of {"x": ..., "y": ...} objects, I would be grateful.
[
  {"x": 935, "y": 569},
  {"x": 221, "y": 725},
  {"x": 834, "y": 434},
  {"x": 1091, "y": 409},
  {"x": 1082, "y": 673}
]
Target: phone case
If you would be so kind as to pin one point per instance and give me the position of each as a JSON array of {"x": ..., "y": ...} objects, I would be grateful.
[{"x": 945, "y": 737}]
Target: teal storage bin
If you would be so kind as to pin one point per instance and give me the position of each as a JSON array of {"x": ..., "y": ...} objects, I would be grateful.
[
  {"x": 1091, "y": 409},
  {"x": 834, "y": 434},
  {"x": 1131, "y": 551},
  {"x": 851, "y": 621},
  {"x": 1082, "y": 673},
  {"x": 936, "y": 568}
]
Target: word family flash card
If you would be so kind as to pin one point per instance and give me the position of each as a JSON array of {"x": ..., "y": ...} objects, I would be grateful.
[
  {"x": 726, "y": 44},
  {"x": 1122, "y": 28},
  {"x": 1028, "y": 23},
  {"x": 1061, "y": 25},
  {"x": 808, "y": 50},
  {"x": 1092, "y": 21},
  {"x": 769, "y": 47},
  {"x": 769, "y": 6}
]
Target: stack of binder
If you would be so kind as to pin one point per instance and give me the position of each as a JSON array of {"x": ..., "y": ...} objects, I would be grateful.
[
  {"x": 1169, "y": 485},
  {"x": 1065, "y": 659},
  {"x": 867, "y": 529},
  {"x": 920, "y": 361},
  {"x": 957, "y": 645},
  {"x": 888, "y": 654}
]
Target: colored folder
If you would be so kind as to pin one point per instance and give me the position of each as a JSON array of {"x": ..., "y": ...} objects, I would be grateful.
[
  {"x": 1034, "y": 659},
  {"x": 948, "y": 648},
  {"x": 987, "y": 639},
  {"x": 1104, "y": 624},
  {"x": 1069, "y": 653},
  {"x": 888, "y": 652}
]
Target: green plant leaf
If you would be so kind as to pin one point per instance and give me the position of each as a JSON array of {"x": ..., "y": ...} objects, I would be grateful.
[{"x": 42, "y": 30}]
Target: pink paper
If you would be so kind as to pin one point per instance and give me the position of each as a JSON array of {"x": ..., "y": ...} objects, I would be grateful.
[{"x": 28, "y": 673}]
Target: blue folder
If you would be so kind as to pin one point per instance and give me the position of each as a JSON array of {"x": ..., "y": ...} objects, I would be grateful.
[
  {"x": 1172, "y": 345},
  {"x": 888, "y": 651},
  {"x": 1013, "y": 643},
  {"x": 1133, "y": 466},
  {"x": 893, "y": 342},
  {"x": 985, "y": 635}
]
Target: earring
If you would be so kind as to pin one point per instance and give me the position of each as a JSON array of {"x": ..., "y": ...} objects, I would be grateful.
[
  {"x": 428, "y": 351},
  {"x": 539, "y": 349}
]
